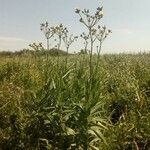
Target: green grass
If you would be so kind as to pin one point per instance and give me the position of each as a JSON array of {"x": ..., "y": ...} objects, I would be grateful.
[{"x": 48, "y": 104}]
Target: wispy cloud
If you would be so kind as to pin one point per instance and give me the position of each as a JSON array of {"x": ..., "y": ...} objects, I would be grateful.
[
  {"x": 12, "y": 43},
  {"x": 12, "y": 39},
  {"x": 124, "y": 31}
]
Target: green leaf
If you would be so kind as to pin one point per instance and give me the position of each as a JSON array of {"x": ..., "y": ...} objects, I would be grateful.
[{"x": 70, "y": 131}]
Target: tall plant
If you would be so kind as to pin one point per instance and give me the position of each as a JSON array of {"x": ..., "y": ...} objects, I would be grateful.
[
  {"x": 68, "y": 39},
  {"x": 59, "y": 31},
  {"x": 85, "y": 37},
  {"x": 48, "y": 32},
  {"x": 90, "y": 21},
  {"x": 101, "y": 35}
]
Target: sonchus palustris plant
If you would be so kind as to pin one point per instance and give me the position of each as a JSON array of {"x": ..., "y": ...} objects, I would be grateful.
[
  {"x": 68, "y": 39},
  {"x": 90, "y": 21},
  {"x": 85, "y": 37},
  {"x": 48, "y": 32},
  {"x": 101, "y": 34}
]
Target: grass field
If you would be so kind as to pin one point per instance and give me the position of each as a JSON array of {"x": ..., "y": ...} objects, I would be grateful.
[{"x": 62, "y": 103}]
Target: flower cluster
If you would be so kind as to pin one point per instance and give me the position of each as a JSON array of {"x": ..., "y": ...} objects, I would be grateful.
[
  {"x": 85, "y": 37},
  {"x": 48, "y": 31},
  {"x": 102, "y": 33},
  {"x": 36, "y": 46},
  {"x": 87, "y": 19},
  {"x": 60, "y": 32},
  {"x": 68, "y": 39}
]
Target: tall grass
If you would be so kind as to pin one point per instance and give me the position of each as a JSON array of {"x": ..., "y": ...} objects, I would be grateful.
[{"x": 48, "y": 106}]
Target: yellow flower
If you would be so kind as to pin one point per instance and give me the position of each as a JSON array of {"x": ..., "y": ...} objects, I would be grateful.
[{"x": 101, "y": 13}]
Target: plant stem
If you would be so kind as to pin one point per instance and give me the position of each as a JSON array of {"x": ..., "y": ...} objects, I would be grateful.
[{"x": 47, "y": 43}]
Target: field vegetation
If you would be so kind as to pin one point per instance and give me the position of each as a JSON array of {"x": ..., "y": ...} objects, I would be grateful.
[{"x": 53, "y": 100}]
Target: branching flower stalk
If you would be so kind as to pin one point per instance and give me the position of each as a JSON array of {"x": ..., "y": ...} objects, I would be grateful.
[
  {"x": 59, "y": 31},
  {"x": 36, "y": 46},
  {"x": 48, "y": 32},
  {"x": 90, "y": 21},
  {"x": 101, "y": 35},
  {"x": 68, "y": 40},
  {"x": 86, "y": 41}
]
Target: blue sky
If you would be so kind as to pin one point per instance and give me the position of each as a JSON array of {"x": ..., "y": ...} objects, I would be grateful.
[{"x": 129, "y": 20}]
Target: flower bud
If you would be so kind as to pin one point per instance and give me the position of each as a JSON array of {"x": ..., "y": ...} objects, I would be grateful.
[
  {"x": 77, "y": 10},
  {"x": 104, "y": 27},
  {"x": 109, "y": 31},
  {"x": 100, "y": 8},
  {"x": 99, "y": 26},
  {"x": 46, "y": 24},
  {"x": 60, "y": 25},
  {"x": 81, "y": 20}
]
